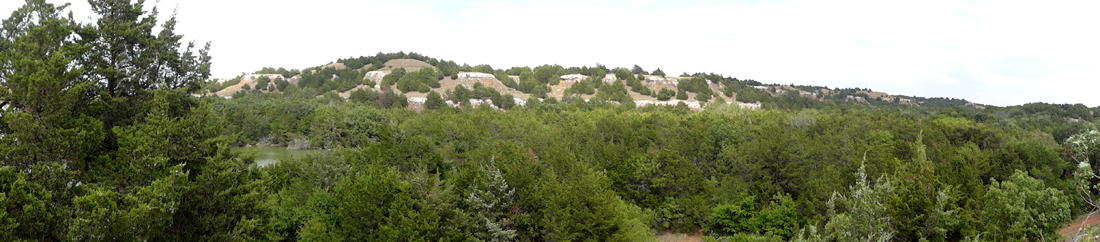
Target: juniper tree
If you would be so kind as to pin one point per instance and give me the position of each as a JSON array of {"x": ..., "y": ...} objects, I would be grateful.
[
  {"x": 861, "y": 214},
  {"x": 489, "y": 203}
]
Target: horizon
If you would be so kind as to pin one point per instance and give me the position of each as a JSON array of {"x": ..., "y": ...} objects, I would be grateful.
[{"x": 992, "y": 53}]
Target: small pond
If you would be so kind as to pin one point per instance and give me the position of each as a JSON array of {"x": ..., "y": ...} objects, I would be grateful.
[{"x": 270, "y": 154}]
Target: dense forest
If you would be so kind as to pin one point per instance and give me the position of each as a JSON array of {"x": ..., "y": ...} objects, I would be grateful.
[{"x": 102, "y": 138}]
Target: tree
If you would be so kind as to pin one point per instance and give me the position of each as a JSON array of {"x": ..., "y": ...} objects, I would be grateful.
[
  {"x": 374, "y": 205},
  {"x": 637, "y": 70},
  {"x": 659, "y": 72},
  {"x": 1023, "y": 208},
  {"x": 702, "y": 97},
  {"x": 921, "y": 206},
  {"x": 506, "y": 101},
  {"x": 434, "y": 101},
  {"x": 1084, "y": 148},
  {"x": 105, "y": 125},
  {"x": 45, "y": 130},
  {"x": 547, "y": 74},
  {"x": 742, "y": 217},
  {"x": 665, "y": 94},
  {"x": 43, "y": 115},
  {"x": 262, "y": 82},
  {"x": 861, "y": 215},
  {"x": 490, "y": 203},
  {"x": 126, "y": 57}
]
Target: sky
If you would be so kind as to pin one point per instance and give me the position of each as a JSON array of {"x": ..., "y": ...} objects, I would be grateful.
[{"x": 1000, "y": 52}]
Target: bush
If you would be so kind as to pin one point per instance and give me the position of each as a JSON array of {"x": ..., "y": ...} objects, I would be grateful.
[
  {"x": 435, "y": 101},
  {"x": 1023, "y": 207},
  {"x": 702, "y": 97},
  {"x": 665, "y": 94}
]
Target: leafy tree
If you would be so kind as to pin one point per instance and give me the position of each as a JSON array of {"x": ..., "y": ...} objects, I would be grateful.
[
  {"x": 1023, "y": 207},
  {"x": 743, "y": 217}
]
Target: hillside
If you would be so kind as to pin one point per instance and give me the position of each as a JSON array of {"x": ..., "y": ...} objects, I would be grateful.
[{"x": 559, "y": 84}]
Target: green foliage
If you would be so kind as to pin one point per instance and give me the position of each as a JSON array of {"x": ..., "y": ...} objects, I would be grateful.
[
  {"x": 110, "y": 152},
  {"x": 281, "y": 71},
  {"x": 861, "y": 215},
  {"x": 921, "y": 206},
  {"x": 665, "y": 94},
  {"x": 780, "y": 218},
  {"x": 375, "y": 206},
  {"x": 659, "y": 72},
  {"x": 434, "y": 101},
  {"x": 1023, "y": 208},
  {"x": 695, "y": 84},
  {"x": 667, "y": 184},
  {"x": 420, "y": 81},
  {"x": 586, "y": 86},
  {"x": 262, "y": 82},
  {"x": 703, "y": 97},
  {"x": 330, "y": 79},
  {"x": 623, "y": 74},
  {"x": 614, "y": 92},
  {"x": 489, "y": 204},
  {"x": 547, "y": 74}
]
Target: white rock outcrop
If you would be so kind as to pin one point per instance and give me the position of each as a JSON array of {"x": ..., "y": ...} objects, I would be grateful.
[{"x": 474, "y": 75}]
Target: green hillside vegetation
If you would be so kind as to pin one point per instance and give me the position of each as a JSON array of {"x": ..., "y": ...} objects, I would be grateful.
[{"x": 107, "y": 153}]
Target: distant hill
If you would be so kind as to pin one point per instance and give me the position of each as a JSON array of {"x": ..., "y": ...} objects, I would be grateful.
[{"x": 621, "y": 84}]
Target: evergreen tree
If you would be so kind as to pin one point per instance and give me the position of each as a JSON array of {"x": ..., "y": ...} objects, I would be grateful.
[
  {"x": 115, "y": 146},
  {"x": 861, "y": 215},
  {"x": 490, "y": 203},
  {"x": 46, "y": 133},
  {"x": 434, "y": 101}
]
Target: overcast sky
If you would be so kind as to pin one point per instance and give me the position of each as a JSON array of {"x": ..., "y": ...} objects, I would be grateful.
[{"x": 991, "y": 52}]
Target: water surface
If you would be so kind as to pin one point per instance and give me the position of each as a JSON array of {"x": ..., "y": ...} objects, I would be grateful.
[{"x": 270, "y": 154}]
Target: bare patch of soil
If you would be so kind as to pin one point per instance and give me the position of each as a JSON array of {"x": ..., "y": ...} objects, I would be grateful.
[
  {"x": 680, "y": 237},
  {"x": 409, "y": 65},
  {"x": 1070, "y": 231}
]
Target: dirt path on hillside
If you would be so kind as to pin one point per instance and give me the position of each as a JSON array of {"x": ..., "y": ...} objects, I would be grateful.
[{"x": 1085, "y": 220}]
